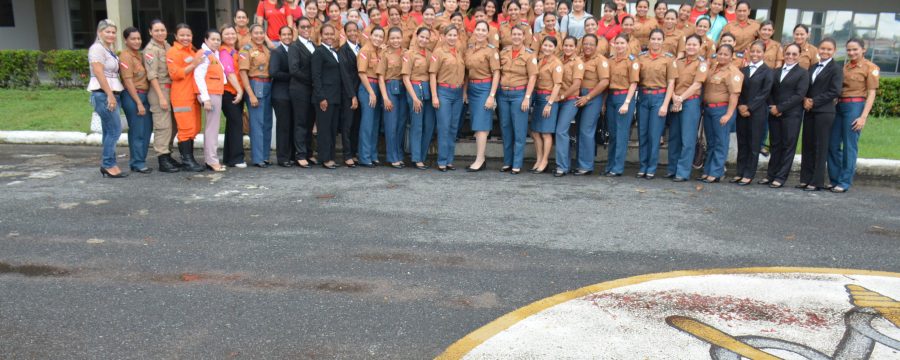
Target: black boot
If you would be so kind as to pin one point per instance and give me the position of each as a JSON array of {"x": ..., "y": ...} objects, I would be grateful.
[
  {"x": 167, "y": 164},
  {"x": 187, "y": 156}
]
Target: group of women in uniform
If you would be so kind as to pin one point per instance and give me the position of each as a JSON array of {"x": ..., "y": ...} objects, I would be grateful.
[{"x": 422, "y": 71}]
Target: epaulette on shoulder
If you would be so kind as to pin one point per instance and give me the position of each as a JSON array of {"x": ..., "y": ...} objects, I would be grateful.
[
  {"x": 247, "y": 47},
  {"x": 713, "y": 56},
  {"x": 643, "y": 53},
  {"x": 528, "y": 50},
  {"x": 491, "y": 46},
  {"x": 631, "y": 57},
  {"x": 740, "y": 55},
  {"x": 701, "y": 58},
  {"x": 670, "y": 54}
]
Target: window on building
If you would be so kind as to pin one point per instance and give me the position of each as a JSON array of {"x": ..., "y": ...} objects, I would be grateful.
[
  {"x": 885, "y": 50},
  {"x": 6, "y": 14}
]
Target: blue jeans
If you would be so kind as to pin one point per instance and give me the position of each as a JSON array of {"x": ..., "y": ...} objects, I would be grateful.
[
  {"x": 451, "y": 105},
  {"x": 683, "y": 129},
  {"x": 111, "y": 125},
  {"x": 539, "y": 123},
  {"x": 369, "y": 123},
  {"x": 482, "y": 119},
  {"x": 717, "y": 139},
  {"x": 587, "y": 131},
  {"x": 567, "y": 112},
  {"x": 421, "y": 123},
  {"x": 395, "y": 121},
  {"x": 844, "y": 145},
  {"x": 650, "y": 128},
  {"x": 139, "y": 129},
  {"x": 619, "y": 132},
  {"x": 514, "y": 126},
  {"x": 260, "y": 122}
]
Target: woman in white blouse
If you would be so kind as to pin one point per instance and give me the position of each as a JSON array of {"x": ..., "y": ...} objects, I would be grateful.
[
  {"x": 210, "y": 79},
  {"x": 105, "y": 89}
]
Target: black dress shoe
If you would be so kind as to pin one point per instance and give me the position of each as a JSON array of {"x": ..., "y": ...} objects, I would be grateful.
[
  {"x": 471, "y": 169},
  {"x": 714, "y": 180},
  {"x": 764, "y": 182},
  {"x": 367, "y": 165},
  {"x": 145, "y": 170},
  {"x": 612, "y": 174},
  {"x": 330, "y": 167},
  {"x": 582, "y": 172},
  {"x": 679, "y": 179},
  {"x": 451, "y": 167},
  {"x": 538, "y": 171},
  {"x": 106, "y": 174},
  {"x": 267, "y": 162},
  {"x": 745, "y": 183},
  {"x": 399, "y": 165},
  {"x": 559, "y": 174},
  {"x": 376, "y": 162},
  {"x": 505, "y": 168},
  {"x": 286, "y": 164},
  {"x": 670, "y": 175},
  {"x": 261, "y": 165},
  {"x": 422, "y": 167}
]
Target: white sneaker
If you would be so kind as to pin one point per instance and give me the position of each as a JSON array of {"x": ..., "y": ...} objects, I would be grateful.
[{"x": 241, "y": 165}]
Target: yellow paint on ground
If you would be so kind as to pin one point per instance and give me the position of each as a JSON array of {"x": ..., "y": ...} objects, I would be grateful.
[
  {"x": 469, "y": 342},
  {"x": 717, "y": 337},
  {"x": 887, "y": 307}
]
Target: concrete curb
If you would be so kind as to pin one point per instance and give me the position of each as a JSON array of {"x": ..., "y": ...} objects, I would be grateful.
[{"x": 864, "y": 167}]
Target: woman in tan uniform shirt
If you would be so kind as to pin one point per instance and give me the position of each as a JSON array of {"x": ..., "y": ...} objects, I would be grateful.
[
  {"x": 448, "y": 71},
  {"x": 633, "y": 44},
  {"x": 624, "y": 73},
  {"x": 684, "y": 119},
  {"x": 657, "y": 82},
  {"x": 643, "y": 23},
  {"x": 720, "y": 98},
  {"x": 593, "y": 87},
  {"x": 369, "y": 95},
  {"x": 543, "y": 122},
  {"x": 518, "y": 73},
  {"x": 393, "y": 94},
  {"x": 483, "y": 70},
  {"x": 744, "y": 29},
  {"x": 134, "y": 102},
  {"x": 513, "y": 10},
  {"x": 674, "y": 38},
  {"x": 418, "y": 91},
  {"x": 570, "y": 91},
  {"x": 809, "y": 54}
]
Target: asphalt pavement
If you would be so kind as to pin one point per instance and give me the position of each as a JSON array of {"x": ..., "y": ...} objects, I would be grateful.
[{"x": 367, "y": 263}]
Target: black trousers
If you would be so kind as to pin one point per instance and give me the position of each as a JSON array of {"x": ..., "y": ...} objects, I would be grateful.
[
  {"x": 328, "y": 122},
  {"x": 233, "y": 149},
  {"x": 349, "y": 129},
  {"x": 749, "y": 134},
  {"x": 816, "y": 136},
  {"x": 783, "y": 132},
  {"x": 304, "y": 120},
  {"x": 284, "y": 130}
]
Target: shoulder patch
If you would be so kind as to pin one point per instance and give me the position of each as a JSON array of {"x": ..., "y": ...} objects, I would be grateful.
[
  {"x": 875, "y": 72},
  {"x": 491, "y": 46},
  {"x": 739, "y": 54},
  {"x": 670, "y": 55},
  {"x": 605, "y": 64},
  {"x": 581, "y": 66},
  {"x": 701, "y": 58},
  {"x": 558, "y": 68},
  {"x": 703, "y": 68},
  {"x": 643, "y": 53},
  {"x": 737, "y": 78},
  {"x": 528, "y": 50},
  {"x": 247, "y": 47},
  {"x": 636, "y": 66},
  {"x": 534, "y": 61},
  {"x": 631, "y": 57}
]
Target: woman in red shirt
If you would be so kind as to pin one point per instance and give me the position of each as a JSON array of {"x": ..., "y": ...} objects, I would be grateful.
[
  {"x": 273, "y": 13},
  {"x": 608, "y": 26}
]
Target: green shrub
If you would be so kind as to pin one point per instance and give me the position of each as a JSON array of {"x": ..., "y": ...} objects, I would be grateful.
[
  {"x": 887, "y": 103},
  {"x": 18, "y": 68},
  {"x": 67, "y": 68}
]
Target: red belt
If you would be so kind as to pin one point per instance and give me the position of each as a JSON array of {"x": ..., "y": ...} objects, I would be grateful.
[
  {"x": 620, "y": 92},
  {"x": 373, "y": 80},
  {"x": 852, "y": 99},
  {"x": 570, "y": 98},
  {"x": 653, "y": 91},
  {"x": 543, "y": 92},
  {"x": 715, "y": 105},
  {"x": 481, "y": 81},
  {"x": 167, "y": 86},
  {"x": 449, "y": 86},
  {"x": 414, "y": 82},
  {"x": 512, "y": 88},
  {"x": 261, "y": 79},
  {"x": 139, "y": 91}
]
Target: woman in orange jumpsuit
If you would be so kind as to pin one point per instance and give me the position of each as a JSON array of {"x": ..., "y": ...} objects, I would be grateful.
[{"x": 182, "y": 58}]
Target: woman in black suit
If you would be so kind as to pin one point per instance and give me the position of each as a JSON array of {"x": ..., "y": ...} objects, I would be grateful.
[
  {"x": 752, "y": 111},
  {"x": 350, "y": 114},
  {"x": 826, "y": 80},
  {"x": 786, "y": 106},
  {"x": 327, "y": 93}
]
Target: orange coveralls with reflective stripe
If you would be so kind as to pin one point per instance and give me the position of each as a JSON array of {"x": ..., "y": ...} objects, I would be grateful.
[{"x": 184, "y": 91}]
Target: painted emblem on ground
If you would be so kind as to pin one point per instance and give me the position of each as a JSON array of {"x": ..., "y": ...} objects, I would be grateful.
[{"x": 721, "y": 314}]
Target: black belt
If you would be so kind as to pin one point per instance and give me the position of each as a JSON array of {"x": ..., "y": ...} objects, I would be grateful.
[{"x": 101, "y": 91}]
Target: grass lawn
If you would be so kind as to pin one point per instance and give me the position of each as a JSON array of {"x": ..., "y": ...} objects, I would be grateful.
[{"x": 70, "y": 110}]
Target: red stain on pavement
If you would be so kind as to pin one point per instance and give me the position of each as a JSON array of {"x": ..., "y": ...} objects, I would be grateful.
[
  {"x": 727, "y": 308},
  {"x": 191, "y": 277}
]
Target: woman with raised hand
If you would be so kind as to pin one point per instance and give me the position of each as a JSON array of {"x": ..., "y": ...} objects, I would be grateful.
[
  {"x": 232, "y": 99},
  {"x": 657, "y": 82},
  {"x": 857, "y": 96},
  {"x": 183, "y": 59},
  {"x": 448, "y": 69},
  {"x": 752, "y": 113},
  {"x": 546, "y": 109},
  {"x": 134, "y": 102},
  {"x": 518, "y": 74},
  {"x": 369, "y": 95},
  {"x": 254, "y": 67},
  {"x": 106, "y": 90},
  {"x": 624, "y": 74},
  {"x": 720, "y": 95},
  {"x": 593, "y": 87},
  {"x": 684, "y": 119},
  {"x": 483, "y": 69},
  {"x": 210, "y": 80},
  {"x": 570, "y": 89},
  {"x": 418, "y": 91},
  {"x": 390, "y": 82}
]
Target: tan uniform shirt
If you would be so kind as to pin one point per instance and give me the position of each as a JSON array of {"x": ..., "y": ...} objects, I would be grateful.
[
  {"x": 673, "y": 42},
  {"x": 602, "y": 46},
  {"x": 744, "y": 33},
  {"x": 657, "y": 69},
  {"x": 707, "y": 48},
  {"x": 493, "y": 37},
  {"x": 809, "y": 55},
  {"x": 434, "y": 36},
  {"x": 595, "y": 69},
  {"x": 448, "y": 66},
  {"x": 482, "y": 62},
  {"x": 773, "y": 54},
  {"x": 415, "y": 64},
  {"x": 623, "y": 71},
  {"x": 859, "y": 78},
  {"x": 368, "y": 60},
  {"x": 505, "y": 40},
  {"x": 538, "y": 39},
  {"x": 391, "y": 64},
  {"x": 686, "y": 28},
  {"x": 642, "y": 28},
  {"x": 254, "y": 59},
  {"x": 131, "y": 66},
  {"x": 573, "y": 69},
  {"x": 517, "y": 67},
  {"x": 721, "y": 84},
  {"x": 243, "y": 37},
  {"x": 550, "y": 73},
  {"x": 155, "y": 62},
  {"x": 690, "y": 70}
]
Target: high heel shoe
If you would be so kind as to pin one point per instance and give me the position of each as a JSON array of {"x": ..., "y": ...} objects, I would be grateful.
[
  {"x": 505, "y": 168},
  {"x": 471, "y": 169},
  {"x": 539, "y": 171},
  {"x": 106, "y": 174},
  {"x": 714, "y": 180},
  {"x": 219, "y": 169},
  {"x": 515, "y": 171}
]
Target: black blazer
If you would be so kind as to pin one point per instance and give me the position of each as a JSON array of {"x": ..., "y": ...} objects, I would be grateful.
[
  {"x": 349, "y": 73},
  {"x": 280, "y": 74},
  {"x": 788, "y": 94},
  {"x": 756, "y": 89},
  {"x": 326, "y": 77},
  {"x": 299, "y": 66},
  {"x": 826, "y": 88}
]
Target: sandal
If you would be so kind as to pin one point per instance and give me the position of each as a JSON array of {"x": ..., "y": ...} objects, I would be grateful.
[
  {"x": 776, "y": 184},
  {"x": 838, "y": 190},
  {"x": 765, "y": 181}
]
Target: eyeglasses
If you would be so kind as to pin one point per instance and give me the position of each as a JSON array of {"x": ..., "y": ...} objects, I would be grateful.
[{"x": 304, "y": 26}]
